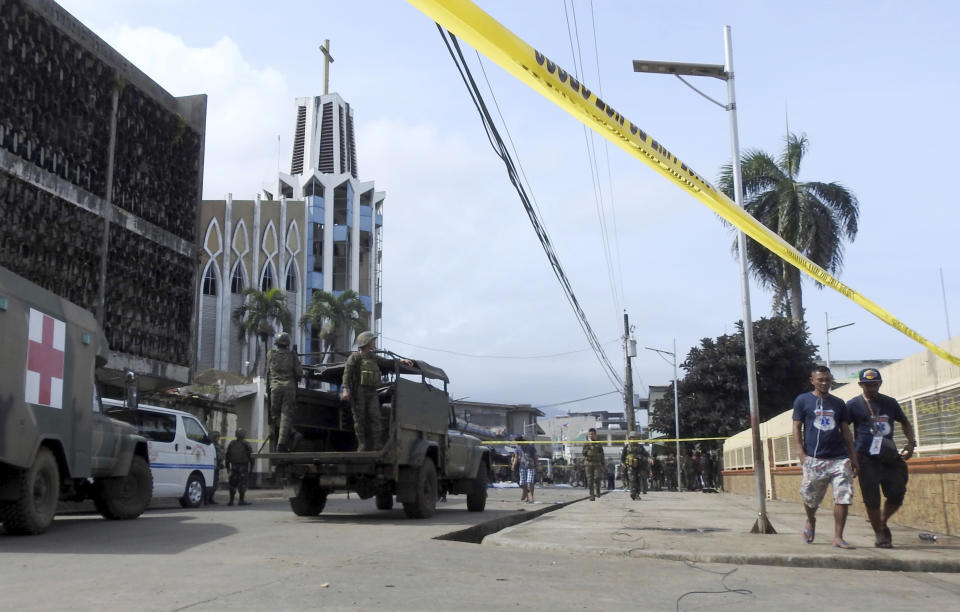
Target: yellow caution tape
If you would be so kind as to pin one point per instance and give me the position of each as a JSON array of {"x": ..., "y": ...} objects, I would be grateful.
[
  {"x": 468, "y": 22},
  {"x": 603, "y": 442}
]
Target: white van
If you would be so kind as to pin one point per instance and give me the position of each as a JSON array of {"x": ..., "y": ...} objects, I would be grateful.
[{"x": 182, "y": 457}]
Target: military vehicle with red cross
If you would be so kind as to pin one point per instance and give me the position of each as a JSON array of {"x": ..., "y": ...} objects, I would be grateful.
[{"x": 55, "y": 441}]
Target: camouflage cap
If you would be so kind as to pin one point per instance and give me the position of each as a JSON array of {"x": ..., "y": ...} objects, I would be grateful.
[
  {"x": 365, "y": 338},
  {"x": 283, "y": 339}
]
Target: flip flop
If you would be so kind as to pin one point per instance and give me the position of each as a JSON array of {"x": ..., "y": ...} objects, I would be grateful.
[
  {"x": 808, "y": 534},
  {"x": 843, "y": 544},
  {"x": 883, "y": 543}
]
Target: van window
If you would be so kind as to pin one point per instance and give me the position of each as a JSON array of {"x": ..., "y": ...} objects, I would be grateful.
[
  {"x": 158, "y": 427},
  {"x": 194, "y": 429}
]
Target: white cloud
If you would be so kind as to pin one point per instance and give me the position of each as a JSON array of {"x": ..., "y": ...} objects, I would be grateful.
[{"x": 247, "y": 107}]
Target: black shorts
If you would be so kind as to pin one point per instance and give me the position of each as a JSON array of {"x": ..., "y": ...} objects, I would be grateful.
[{"x": 874, "y": 476}]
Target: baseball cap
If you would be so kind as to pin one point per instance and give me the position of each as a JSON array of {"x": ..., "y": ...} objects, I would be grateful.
[{"x": 870, "y": 375}]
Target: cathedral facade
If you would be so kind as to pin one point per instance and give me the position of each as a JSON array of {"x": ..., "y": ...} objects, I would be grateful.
[{"x": 315, "y": 228}]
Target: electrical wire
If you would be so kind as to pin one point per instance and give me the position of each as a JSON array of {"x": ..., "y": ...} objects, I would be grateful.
[
  {"x": 588, "y": 137},
  {"x": 723, "y": 583},
  {"x": 506, "y": 129},
  {"x": 624, "y": 535},
  {"x": 606, "y": 154},
  {"x": 496, "y": 142},
  {"x": 429, "y": 348},
  {"x": 574, "y": 401}
]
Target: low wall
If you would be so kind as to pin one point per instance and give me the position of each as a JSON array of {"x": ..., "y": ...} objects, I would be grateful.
[{"x": 932, "y": 502}]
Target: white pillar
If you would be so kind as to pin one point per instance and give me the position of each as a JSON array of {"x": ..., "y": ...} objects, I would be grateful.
[{"x": 258, "y": 424}]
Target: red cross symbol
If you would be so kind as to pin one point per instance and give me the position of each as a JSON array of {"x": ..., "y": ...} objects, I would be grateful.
[{"x": 45, "y": 354}]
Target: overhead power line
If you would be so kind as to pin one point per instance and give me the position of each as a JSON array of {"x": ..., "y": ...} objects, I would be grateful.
[
  {"x": 475, "y": 356},
  {"x": 582, "y": 399},
  {"x": 496, "y": 142}
]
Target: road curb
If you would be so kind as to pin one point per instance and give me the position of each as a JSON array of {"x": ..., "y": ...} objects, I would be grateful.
[{"x": 885, "y": 564}]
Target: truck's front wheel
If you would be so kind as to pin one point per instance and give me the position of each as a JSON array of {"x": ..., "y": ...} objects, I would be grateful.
[
  {"x": 128, "y": 496},
  {"x": 310, "y": 499},
  {"x": 425, "y": 501},
  {"x": 39, "y": 491},
  {"x": 477, "y": 496}
]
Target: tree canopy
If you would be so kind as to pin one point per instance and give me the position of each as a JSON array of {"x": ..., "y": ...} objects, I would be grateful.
[
  {"x": 815, "y": 218},
  {"x": 333, "y": 315},
  {"x": 260, "y": 314},
  {"x": 713, "y": 393}
]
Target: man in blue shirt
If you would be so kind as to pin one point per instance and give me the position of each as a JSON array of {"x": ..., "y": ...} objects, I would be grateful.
[
  {"x": 825, "y": 448},
  {"x": 873, "y": 415}
]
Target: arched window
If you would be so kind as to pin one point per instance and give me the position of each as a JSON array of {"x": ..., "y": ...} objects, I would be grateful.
[
  {"x": 210, "y": 280},
  {"x": 291, "y": 277},
  {"x": 236, "y": 279},
  {"x": 267, "y": 283}
]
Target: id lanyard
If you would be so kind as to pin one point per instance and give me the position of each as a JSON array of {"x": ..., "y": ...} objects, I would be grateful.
[{"x": 877, "y": 441}]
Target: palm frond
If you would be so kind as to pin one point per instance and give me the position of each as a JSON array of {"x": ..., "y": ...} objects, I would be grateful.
[
  {"x": 814, "y": 218},
  {"x": 842, "y": 202},
  {"x": 794, "y": 149}
]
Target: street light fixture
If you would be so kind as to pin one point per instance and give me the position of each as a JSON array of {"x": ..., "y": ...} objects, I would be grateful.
[
  {"x": 826, "y": 320},
  {"x": 725, "y": 73},
  {"x": 676, "y": 403}
]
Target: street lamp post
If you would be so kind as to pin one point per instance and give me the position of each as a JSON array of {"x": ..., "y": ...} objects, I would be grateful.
[
  {"x": 676, "y": 403},
  {"x": 826, "y": 320},
  {"x": 725, "y": 73}
]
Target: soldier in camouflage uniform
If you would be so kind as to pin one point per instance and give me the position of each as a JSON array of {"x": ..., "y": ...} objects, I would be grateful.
[
  {"x": 239, "y": 459},
  {"x": 361, "y": 375},
  {"x": 593, "y": 464},
  {"x": 670, "y": 472},
  {"x": 632, "y": 459},
  {"x": 283, "y": 373}
]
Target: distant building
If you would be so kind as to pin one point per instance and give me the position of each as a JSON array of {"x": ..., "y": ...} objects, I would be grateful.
[
  {"x": 573, "y": 427},
  {"x": 504, "y": 420},
  {"x": 315, "y": 228},
  {"x": 845, "y": 371}
]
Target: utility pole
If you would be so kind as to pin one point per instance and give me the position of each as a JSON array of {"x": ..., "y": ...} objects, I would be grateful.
[{"x": 629, "y": 350}]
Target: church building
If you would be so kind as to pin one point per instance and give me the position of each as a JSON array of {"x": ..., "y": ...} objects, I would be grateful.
[{"x": 315, "y": 228}]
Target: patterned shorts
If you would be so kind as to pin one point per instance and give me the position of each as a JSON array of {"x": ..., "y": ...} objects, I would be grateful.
[
  {"x": 818, "y": 473},
  {"x": 527, "y": 476}
]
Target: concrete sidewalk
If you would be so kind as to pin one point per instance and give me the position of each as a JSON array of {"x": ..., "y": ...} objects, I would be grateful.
[{"x": 715, "y": 528}]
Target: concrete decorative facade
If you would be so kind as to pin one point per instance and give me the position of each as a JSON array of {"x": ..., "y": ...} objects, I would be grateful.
[
  {"x": 316, "y": 228},
  {"x": 100, "y": 180}
]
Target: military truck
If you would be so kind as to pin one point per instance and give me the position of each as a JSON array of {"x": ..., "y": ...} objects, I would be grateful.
[
  {"x": 55, "y": 442},
  {"x": 422, "y": 456}
]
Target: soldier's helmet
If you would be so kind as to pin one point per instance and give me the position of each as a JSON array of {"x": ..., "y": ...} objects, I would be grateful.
[
  {"x": 283, "y": 339},
  {"x": 365, "y": 338},
  {"x": 241, "y": 433}
]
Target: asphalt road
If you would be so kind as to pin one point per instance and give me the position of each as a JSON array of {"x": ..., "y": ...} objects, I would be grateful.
[{"x": 262, "y": 557}]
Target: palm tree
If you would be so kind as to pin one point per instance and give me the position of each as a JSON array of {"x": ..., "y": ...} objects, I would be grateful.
[
  {"x": 815, "y": 218},
  {"x": 332, "y": 315},
  {"x": 259, "y": 314}
]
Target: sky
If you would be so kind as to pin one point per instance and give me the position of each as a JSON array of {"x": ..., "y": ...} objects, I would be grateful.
[{"x": 467, "y": 286}]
